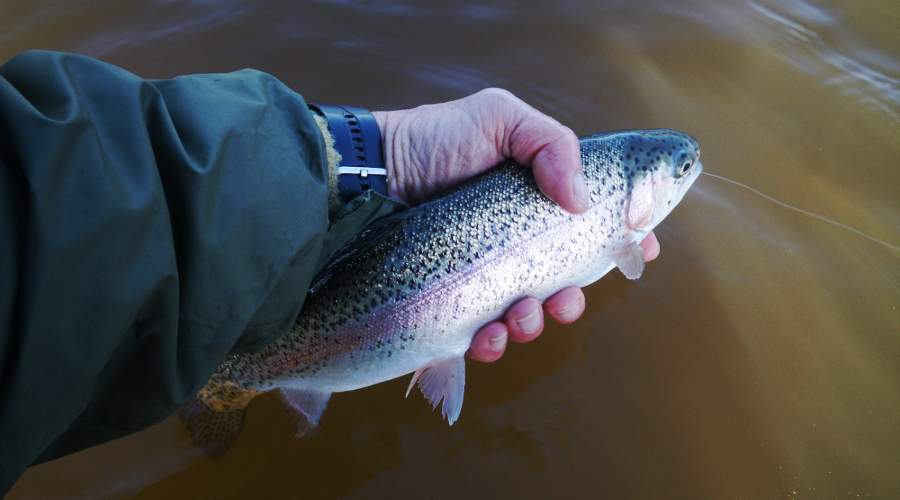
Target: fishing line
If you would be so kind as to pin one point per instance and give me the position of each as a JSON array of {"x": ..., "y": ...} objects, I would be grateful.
[{"x": 838, "y": 224}]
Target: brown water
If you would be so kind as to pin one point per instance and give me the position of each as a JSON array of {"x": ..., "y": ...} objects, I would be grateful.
[{"x": 757, "y": 358}]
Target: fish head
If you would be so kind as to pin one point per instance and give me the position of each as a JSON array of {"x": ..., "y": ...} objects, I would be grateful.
[{"x": 652, "y": 170}]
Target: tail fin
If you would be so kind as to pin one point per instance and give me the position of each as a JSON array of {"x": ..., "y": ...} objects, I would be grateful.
[{"x": 215, "y": 415}]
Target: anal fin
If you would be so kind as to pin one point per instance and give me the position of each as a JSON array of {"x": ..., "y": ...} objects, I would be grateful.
[
  {"x": 304, "y": 407},
  {"x": 445, "y": 380}
]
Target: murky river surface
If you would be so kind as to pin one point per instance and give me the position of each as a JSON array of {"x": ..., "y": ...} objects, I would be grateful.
[{"x": 757, "y": 358}]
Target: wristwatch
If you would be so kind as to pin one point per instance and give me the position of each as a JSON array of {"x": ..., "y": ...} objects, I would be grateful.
[{"x": 358, "y": 140}]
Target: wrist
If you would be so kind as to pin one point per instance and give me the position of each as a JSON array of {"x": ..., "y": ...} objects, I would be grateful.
[
  {"x": 387, "y": 125},
  {"x": 394, "y": 126}
]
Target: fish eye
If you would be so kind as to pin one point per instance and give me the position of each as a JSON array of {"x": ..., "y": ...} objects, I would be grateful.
[{"x": 685, "y": 167}]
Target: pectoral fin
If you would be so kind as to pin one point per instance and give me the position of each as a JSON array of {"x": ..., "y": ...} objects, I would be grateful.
[
  {"x": 630, "y": 260},
  {"x": 305, "y": 408},
  {"x": 443, "y": 380}
]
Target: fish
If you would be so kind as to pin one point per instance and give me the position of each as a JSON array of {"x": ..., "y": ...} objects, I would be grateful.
[{"x": 408, "y": 293}]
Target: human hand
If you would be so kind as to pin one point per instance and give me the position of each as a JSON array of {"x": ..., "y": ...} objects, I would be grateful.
[
  {"x": 434, "y": 147},
  {"x": 437, "y": 146}
]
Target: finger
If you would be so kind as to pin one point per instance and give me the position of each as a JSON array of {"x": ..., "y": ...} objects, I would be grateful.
[
  {"x": 559, "y": 174},
  {"x": 650, "y": 245},
  {"x": 524, "y": 320},
  {"x": 551, "y": 150},
  {"x": 489, "y": 342},
  {"x": 566, "y": 305}
]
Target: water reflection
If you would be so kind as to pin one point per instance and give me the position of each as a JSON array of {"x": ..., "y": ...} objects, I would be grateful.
[{"x": 757, "y": 358}]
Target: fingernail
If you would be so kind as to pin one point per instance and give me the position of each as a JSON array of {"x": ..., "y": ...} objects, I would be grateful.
[
  {"x": 498, "y": 343},
  {"x": 570, "y": 313},
  {"x": 531, "y": 323},
  {"x": 580, "y": 190}
]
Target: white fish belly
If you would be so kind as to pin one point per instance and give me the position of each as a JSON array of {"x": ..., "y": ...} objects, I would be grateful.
[{"x": 438, "y": 322}]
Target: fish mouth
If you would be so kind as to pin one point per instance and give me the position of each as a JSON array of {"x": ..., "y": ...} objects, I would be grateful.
[
  {"x": 688, "y": 181},
  {"x": 684, "y": 184}
]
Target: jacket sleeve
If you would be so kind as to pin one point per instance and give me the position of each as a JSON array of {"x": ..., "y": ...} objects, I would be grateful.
[{"x": 148, "y": 228}]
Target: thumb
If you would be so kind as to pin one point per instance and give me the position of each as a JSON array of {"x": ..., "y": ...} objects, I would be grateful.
[{"x": 550, "y": 149}]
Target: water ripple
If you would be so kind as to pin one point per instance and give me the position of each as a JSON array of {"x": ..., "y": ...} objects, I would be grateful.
[{"x": 803, "y": 47}]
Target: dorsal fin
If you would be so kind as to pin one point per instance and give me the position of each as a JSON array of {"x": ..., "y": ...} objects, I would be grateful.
[{"x": 362, "y": 243}]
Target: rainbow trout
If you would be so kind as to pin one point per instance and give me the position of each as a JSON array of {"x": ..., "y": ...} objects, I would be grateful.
[{"x": 408, "y": 293}]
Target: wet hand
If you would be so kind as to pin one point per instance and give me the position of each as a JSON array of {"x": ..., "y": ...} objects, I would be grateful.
[{"x": 432, "y": 148}]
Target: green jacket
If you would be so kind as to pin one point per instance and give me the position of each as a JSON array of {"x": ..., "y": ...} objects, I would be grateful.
[{"x": 148, "y": 227}]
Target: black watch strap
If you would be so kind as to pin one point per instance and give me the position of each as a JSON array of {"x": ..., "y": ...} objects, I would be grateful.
[{"x": 358, "y": 140}]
